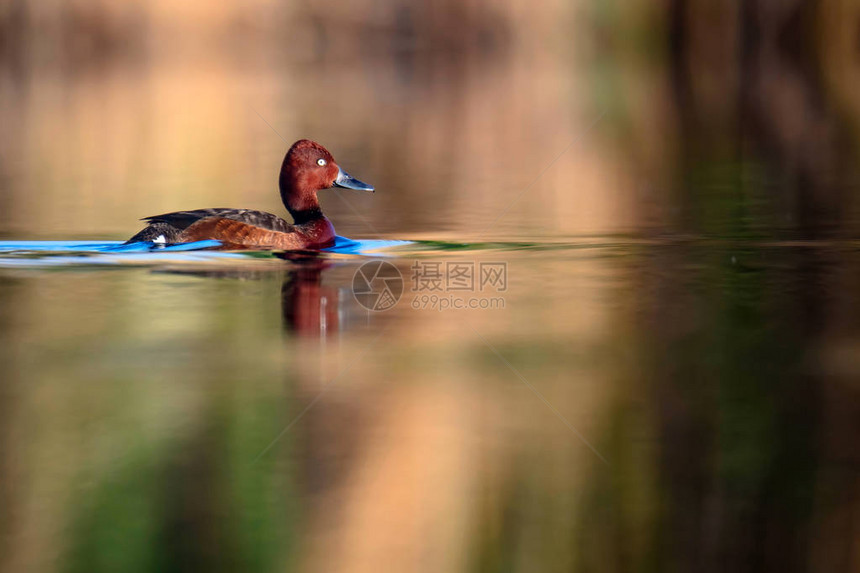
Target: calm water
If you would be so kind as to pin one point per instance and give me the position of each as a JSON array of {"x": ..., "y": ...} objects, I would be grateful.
[{"x": 634, "y": 405}]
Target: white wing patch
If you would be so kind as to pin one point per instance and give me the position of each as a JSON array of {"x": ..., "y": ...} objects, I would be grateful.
[{"x": 160, "y": 240}]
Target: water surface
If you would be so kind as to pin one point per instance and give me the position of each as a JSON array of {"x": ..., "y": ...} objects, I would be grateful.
[{"x": 681, "y": 400}]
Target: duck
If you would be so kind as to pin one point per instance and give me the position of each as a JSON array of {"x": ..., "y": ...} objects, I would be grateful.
[{"x": 308, "y": 167}]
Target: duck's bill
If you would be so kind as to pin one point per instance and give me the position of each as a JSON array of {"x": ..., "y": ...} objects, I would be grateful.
[{"x": 344, "y": 180}]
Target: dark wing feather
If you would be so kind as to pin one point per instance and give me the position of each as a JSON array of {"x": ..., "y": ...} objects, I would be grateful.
[
  {"x": 171, "y": 225},
  {"x": 183, "y": 219}
]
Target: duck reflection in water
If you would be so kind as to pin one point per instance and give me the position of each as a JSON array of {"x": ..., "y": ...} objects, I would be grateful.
[{"x": 310, "y": 309}]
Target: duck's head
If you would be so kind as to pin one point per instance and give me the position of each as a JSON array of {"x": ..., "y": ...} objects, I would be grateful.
[{"x": 307, "y": 168}]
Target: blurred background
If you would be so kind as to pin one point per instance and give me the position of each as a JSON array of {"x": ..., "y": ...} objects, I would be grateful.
[{"x": 674, "y": 186}]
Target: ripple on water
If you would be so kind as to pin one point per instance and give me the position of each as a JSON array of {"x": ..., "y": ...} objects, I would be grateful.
[
  {"x": 39, "y": 254},
  {"x": 35, "y": 254}
]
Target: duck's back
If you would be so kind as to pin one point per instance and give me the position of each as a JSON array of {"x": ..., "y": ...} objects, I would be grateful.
[{"x": 168, "y": 227}]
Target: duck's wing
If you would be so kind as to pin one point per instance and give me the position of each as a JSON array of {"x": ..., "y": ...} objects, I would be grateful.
[
  {"x": 181, "y": 220},
  {"x": 169, "y": 227},
  {"x": 239, "y": 234}
]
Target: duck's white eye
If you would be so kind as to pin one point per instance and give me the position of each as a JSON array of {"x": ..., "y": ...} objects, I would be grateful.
[{"x": 320, "y": 162}]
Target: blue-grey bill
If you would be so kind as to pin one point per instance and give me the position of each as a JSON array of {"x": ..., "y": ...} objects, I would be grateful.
[{"x": 344, "y": 180}]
